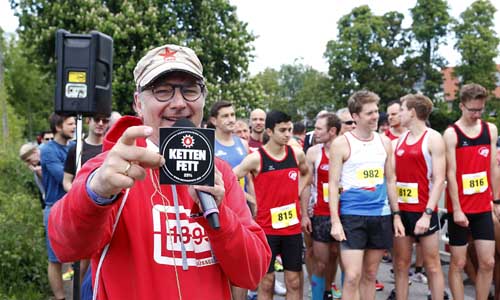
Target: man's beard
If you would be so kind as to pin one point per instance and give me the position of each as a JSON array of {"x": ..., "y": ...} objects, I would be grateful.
[
  {"x": 258, "y": 132},
  {"x": 67, "y": 137}
]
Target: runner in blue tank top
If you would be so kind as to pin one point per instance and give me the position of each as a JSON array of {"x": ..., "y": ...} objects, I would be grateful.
[
  {"x": 233, "y": 150},
  {"x": 361, "y": 164}
]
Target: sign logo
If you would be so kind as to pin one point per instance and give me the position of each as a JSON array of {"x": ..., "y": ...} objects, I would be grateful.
[
  {"x": 187, "y": 141},
  {"x": 292, "y": 175},
  {"x": 189, "y": 156},
  {"x": 484, "y": 151}
]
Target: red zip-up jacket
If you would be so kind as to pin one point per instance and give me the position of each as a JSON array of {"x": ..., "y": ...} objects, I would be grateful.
[{"x": 159, "y": 250}]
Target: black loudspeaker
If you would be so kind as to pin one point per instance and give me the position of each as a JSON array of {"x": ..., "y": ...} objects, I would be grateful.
[{"x": 84, "y": 68}]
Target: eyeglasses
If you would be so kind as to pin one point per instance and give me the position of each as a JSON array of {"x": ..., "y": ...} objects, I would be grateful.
[
  {"x": 48, "y": 139},
  {"x": 474, "y": 110},
  {"x": 351, "y": 122},
  {"x": 104, "y": 120},
  {"x": 166, "y": 91}
]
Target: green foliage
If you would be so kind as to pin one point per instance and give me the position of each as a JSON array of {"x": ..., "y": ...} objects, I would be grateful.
[
  {"x": 211, "y": 28},
  {"x": 29, "y": 91},
  {"x": 441, "y": 117},
  {"x": 12, "y": 124},
  {"x": 23, "y": 259},
  {"x": 430, "y": 28},
  {"x": 477, "y": 43},
  {"x": 296, "y": 89},
  {"x": 368, "y": 55}
]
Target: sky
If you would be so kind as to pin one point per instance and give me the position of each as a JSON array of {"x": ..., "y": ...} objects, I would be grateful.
[{"x": 297, "y": 30}]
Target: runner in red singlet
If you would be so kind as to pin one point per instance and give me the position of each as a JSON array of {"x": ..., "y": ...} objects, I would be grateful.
[
  {"x": 420, "y": 165},
  {"x": 280, "y": 174},
  {"x": 472, "y": 182}
]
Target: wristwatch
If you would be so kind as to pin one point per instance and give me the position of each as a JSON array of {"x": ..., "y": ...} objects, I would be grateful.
[{"x": 428, "y": 211}]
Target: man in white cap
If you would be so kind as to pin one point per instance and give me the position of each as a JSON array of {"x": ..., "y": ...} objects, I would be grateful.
[{"x": 146, "y": 240}]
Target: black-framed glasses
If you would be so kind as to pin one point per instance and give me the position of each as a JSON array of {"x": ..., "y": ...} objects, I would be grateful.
[
  {"x": 166, "y": 91},
  {"x": 351, "y": 122},
  {"x": 48, "y": 139},
  {"x": 474, "y": 110}
]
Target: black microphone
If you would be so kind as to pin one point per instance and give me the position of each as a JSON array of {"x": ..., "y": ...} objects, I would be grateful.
[{"x": 207, "y": 201}]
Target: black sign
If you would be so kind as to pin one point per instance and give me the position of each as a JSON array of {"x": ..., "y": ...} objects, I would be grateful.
[{"x": 189, "y": 156}]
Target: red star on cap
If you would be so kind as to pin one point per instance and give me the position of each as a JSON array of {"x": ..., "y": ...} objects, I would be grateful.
[{"x": 168, "y": 54}]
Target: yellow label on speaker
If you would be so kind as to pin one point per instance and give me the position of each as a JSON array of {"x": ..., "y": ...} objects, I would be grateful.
[{"x": 79, "y": 77}]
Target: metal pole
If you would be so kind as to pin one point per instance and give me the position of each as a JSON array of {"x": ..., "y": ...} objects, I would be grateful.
[{"x": 79, "y": 143}]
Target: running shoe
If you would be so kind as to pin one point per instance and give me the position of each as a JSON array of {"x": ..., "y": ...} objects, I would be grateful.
[
  {"x": 379, "y": 286},
  {"x": 279, "y": 288},
  {"x": 327, "y": 295},
  {"x": 419, "y": 277},
  {"x": 336, "y": 292},
  {"x": 445, "y": 297},
  {"x": 410, "y": 274},
  {"x": 387, "y": 258},
  {"x": 68, "y": 275},
  {"x": 392, "y": 295},
  {"x": 252, "y": 295}
]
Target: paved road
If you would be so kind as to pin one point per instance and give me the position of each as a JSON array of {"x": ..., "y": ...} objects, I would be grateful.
[{"x": 417, "y": 290}]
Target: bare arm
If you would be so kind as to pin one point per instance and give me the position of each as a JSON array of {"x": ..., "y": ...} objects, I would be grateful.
[
  {"x": 67, "y": 181},
  {"x": 305, "y": 173},
  {"x": 438, "y": 156},
  {"x": 390, "y": 177},
  {"x": 249, "y": 165},
  {"x": 339, "y": 152},
  {"x": 494, "y": 167},
  {"x": 495, "y": 172},
  {"x": 306, "y": 192},
  {"x": 450, "y": 141}
]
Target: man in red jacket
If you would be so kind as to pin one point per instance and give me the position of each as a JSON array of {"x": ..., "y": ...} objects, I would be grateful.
[{"x": 145, "y": 240}]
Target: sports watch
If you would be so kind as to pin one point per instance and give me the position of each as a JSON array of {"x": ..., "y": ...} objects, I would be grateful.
[{"x": 428, "y": 211}]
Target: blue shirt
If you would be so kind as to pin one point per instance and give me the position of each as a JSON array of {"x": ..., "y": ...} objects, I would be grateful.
[
  {"x": 52, "y": 158},
  {"x": 232, "y": 154}
]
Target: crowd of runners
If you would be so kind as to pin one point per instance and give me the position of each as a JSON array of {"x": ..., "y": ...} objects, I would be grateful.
[{"x": 341, "y": 198}]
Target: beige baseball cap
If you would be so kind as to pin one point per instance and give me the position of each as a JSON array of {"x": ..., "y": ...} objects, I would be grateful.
[{"x": 164, "y": 59}]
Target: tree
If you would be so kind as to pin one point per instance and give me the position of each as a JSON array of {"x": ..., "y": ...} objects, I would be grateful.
[
  {"x": 430, "y": 28},
  {"x": 367, "y": 55},
  {"x": 29, "y": 91},
  {"x": 211, "y": 28},
  {"x": 477, "y": 43},
  {"x": 297, "y": 89}
]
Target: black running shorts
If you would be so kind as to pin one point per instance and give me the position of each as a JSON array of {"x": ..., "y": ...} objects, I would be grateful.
[
  {"x": 290, "y": 249},
  {"x": 367, "y": 232},
  {"x": 480, "y": 227}
]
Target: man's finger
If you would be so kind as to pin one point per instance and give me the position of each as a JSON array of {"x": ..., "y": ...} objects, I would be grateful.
[
  {"x": 132, "y": 133},
  {"x": 142, "y": 156}
]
